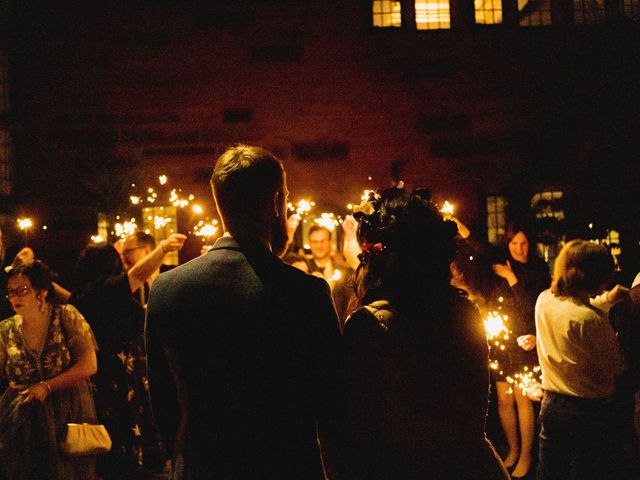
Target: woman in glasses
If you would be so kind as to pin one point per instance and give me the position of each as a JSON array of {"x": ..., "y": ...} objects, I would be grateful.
[{"x": 47, "y": 354}]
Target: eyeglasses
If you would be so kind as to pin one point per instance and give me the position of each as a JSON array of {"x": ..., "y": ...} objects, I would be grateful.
[{"x": 18, "y": 292}]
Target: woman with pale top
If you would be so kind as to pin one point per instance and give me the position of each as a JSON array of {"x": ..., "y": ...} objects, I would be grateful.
[{"x": 47, "y": 354}]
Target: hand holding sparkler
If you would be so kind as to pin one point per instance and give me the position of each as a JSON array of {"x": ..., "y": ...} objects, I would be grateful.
[
  {"x": 349, "y": 227},
  {"x": 617, "y": 294},
  {"x": 527, "y": 342},
  {"x": 292, "y": 225},
  {"x": 173, "y": 243},
  {"x": 463, "y": 230},
  {"x": 24, "y": 256}
]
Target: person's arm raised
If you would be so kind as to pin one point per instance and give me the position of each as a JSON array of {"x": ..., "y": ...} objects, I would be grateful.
[{"x": 145, "y": 268}]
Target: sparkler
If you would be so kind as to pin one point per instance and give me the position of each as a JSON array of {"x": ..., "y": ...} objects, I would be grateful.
[
  {"x": 527, "y": 381},
  {"x": 25, "y": 224},
  {"x": 327, "y": 220},
  {"x": 447, "y": 210}
]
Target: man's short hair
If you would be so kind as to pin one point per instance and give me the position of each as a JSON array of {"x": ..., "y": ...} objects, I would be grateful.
[
  {"x": 581, "y": 267},
  {"x": 145, "y": 240},
  {"x": 244, "y": 180},
  {"x": 320, "y": 228}
]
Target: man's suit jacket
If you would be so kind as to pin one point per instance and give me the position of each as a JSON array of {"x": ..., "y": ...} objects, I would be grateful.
[{"x": 242, "y": 352}]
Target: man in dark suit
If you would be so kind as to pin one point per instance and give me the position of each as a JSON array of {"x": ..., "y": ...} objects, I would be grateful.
[{"x": 242, "y": 348}]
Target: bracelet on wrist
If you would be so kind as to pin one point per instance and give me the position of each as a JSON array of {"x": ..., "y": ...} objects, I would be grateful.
[{"x": 46, "y": 384}]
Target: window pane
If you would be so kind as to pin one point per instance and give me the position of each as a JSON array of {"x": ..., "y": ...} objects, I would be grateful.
[
  {"x": 432, "y": 14},
  {"x": 386, "y": 13},
  {"x": 534, "y": 13},
  {"x": 631, "y": 10},
  {"x": 488, "y": 11},
  {"x": 588, "y": 12}
]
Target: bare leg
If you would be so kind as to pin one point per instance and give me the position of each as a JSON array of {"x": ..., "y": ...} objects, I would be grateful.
[
  {"x": 526, "y": 422},
  {"x": 509, "y": 422}
]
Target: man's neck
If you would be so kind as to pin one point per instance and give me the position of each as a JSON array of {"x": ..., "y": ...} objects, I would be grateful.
[
  {"x": 322, "y": 262},
  {"x": 261, "y": 238}
]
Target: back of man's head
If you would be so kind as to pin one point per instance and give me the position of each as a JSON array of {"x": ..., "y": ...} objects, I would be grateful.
[{"x": 244, "y": 182}]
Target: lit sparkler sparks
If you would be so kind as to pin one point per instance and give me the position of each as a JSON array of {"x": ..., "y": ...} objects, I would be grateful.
[
  {"x": 447, "y": 209},
  {"x": 162, "y": 179},
  {"x": 495, "y": 326},
  {"x": 327, "y": 220},
  {"x": 25, "y": 223},
  {"x": 97, "y": 238},
  {"x": 125, "y": 228},
  {"x": 527, "y": 381},
  {"x": 206, "y": 230},
  {"x": 337, "y": 275}
]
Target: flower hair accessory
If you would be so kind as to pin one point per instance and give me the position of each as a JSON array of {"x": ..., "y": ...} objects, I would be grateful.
[{"x": 369, "y": 249}]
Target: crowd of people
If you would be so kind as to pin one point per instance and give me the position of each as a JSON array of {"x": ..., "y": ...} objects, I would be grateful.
[{"x": 257, "y": 361}]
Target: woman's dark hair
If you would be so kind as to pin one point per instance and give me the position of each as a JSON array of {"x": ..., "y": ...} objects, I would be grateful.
[
  {"x": 39, "y": 275},
  {"x": 407, "y": 247},
  {"x": 95, "y": 262},
  {"x": 581, "y": 267},
  {"x": 511, "y": 229}
]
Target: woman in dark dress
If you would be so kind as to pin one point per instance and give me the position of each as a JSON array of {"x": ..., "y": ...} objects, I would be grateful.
[
  {"x": 523, "y": 277},
  {"x": 103, "y": 293},
  {"x": 415, "y": 383}
]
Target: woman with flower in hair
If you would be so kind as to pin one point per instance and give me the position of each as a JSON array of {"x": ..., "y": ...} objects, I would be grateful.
[{"x": 415, "y": 387}]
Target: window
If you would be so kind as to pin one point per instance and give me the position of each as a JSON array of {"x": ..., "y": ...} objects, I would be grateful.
[
  {"x": 496, "y": 206},
  {"x": 548, "y": 208},
  {"x": 534, "y": 13},
  {"x": 386, "y": 14},
  {"x": 631, "y": 10},
  {"x": 432, "y": 14},
  {"x": 488, "y": 12},
  {"x": 588, "y": 12}
]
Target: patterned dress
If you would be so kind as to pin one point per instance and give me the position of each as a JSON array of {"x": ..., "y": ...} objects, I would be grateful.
[{"x": 30, "y": 433}]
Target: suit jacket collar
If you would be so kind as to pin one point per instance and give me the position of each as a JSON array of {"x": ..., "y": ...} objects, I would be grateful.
[{"x": 245, "y": 244}]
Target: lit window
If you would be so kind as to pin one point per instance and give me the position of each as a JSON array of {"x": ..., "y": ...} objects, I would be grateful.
[
  {"x": 548, "y": 208},
  {"x": 588, "y": 12},
  {"x": 631, "y": 10},
  {"x": 432, "y": 14},
  {"x": 488, "y": 12},
  {"x": 386, "y": 14},
  {"x": 534, "y": 13},
  {"x": 495, "y": 218},
  {"x": 612, "y": 242}
]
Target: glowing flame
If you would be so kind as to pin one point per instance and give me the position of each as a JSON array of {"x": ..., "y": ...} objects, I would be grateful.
[
  {"x": 135, "y": 200},
  {"x": 97, "y": 238},
  {"x": 528, "y": 381},
  {"x": 327, "y": 220},
  {"x": 337, "y": 275},
  {"x": 447, "y": 209},
  {"x": 162, "y": 179},
  {"x": 161, "y": 222},
  {"x": 206, "y": 229},
  {"x": 25, "y": 223},
  {"x": 495, "y": 326},
  {"x": 125, "y": 228},
  {"x": 197, "y": 209}
]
